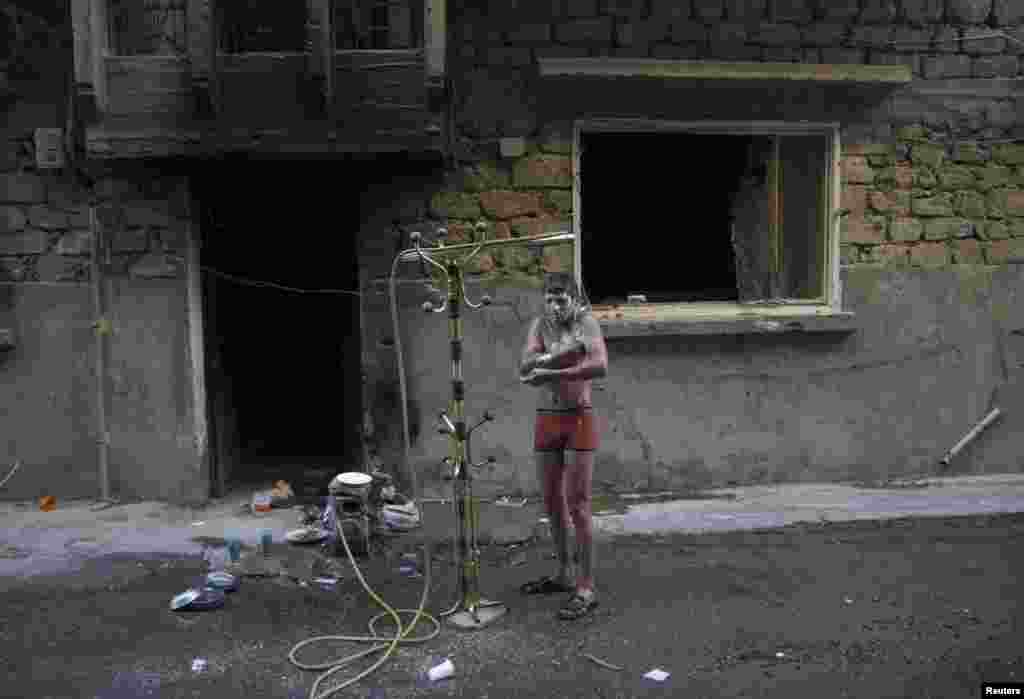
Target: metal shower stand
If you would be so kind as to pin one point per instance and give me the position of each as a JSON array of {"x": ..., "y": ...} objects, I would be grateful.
[{"x": 470, "y": 611}]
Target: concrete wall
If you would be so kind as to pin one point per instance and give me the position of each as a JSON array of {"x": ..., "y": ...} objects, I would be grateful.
[
  {"x": 48, "y": 381},
  {"x": 49, "y": 416},
  {"x": 931, "y": 176},
  {"x": 934, "y": 351}
]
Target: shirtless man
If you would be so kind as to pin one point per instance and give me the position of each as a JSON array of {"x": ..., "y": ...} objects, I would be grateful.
[{"x": 564, "y": 351}]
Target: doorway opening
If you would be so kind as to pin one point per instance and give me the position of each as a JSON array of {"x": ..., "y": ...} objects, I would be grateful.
[{"x": 283, "y": 368}]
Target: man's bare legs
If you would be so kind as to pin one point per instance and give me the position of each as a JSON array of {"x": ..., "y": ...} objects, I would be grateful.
[
  {"x": 551, "y": 474},
  {"x": 579, "y": 476}
]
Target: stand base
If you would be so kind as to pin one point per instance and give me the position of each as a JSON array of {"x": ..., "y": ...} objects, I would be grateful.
[{"x": 486, "y": 613}]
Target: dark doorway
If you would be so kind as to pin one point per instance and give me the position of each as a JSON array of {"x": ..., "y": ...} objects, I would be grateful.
[
  {"x": 656, "y": 215},
  {"x": 283, "y": 368}
]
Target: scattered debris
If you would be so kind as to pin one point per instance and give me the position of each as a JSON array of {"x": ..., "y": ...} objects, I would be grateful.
[
  {"x": 222, "y": 581},
  {"x": 657, "y": 675},
  {"x": 282, "y": 494},
  {"x": 135, "y": 684},
  {"x": 198, "y": 524},
  {"x": 442, "y": 671},
  {"x": 602, "y": 663},
  {"x": 47, "y": 503},
  {"x": 310, "y": 534},
  {"x": 199, "y": 664},
  {"x": 404, "y": 516},
  {"x": 10, "y": 552},
  {"x": 505, "y": 501},
  {"x": 261, "y": 503},
  {"x": 409, "y": 566},
  {"x": 195, "y": 599},
  {"x": 847, "y": 600},
  {"x": 517, "y": 559}
]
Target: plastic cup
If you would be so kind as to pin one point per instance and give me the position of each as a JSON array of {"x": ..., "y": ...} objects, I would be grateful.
[
  {"x": 234, "y": 548},
  {"x": 442, "y": 671},
  {"x": 261, "y": 503}
]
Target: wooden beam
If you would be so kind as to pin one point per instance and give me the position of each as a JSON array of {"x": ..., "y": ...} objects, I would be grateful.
[
  {"x": 80, "y": 22},
  {"x": 98, "y": 32},
  {"x": 199, "y": 16},
  {"x": 723, "y": 70},
  {"x": 775, "y": 219},
  {"x": 615, "y": 325},
  {"x": 435, "y": 36},
  {"x": 326, "y": 10}
]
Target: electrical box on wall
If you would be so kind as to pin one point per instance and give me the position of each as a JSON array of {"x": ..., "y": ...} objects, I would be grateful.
[{"x": 49, "y": 148}]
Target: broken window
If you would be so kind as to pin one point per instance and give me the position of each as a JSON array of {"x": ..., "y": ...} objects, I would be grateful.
[
  {"x": 685, "y": 217},
  {"x": 147, "y": 28},
  {"x": 246, "y": 27},
  {"x": 378, "y": 24}
]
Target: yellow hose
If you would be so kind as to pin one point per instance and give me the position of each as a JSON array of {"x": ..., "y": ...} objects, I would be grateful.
[{"x": 381, "y": 642}]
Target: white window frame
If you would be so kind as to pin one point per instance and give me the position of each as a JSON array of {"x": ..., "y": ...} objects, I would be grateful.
[{"x": 709, "y": 317}]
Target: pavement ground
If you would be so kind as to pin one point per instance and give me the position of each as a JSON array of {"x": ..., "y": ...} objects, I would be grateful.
[{"x": 843, "y": 599}]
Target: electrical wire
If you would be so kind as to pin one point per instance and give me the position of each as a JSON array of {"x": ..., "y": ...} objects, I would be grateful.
[{"x": 274, "y": 285}]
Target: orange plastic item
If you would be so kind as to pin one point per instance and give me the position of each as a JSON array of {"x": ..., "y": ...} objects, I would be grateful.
[{"x": 47, "y": 503}]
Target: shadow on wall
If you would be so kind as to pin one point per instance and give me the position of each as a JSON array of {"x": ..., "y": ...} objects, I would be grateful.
[{"x": 386, "y": 415}]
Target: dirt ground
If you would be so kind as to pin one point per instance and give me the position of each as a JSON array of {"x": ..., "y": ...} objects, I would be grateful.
[{"x": 900, "y": 608}]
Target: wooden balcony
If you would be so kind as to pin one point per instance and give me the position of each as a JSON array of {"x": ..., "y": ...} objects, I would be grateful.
[{"x": 205, "y": 101}]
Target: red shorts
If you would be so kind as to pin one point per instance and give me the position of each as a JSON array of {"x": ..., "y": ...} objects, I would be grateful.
[{"x": 557, "y": 430}]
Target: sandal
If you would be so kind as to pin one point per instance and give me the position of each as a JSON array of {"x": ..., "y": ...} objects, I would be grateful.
[
  {"x": 576, "y": 607},
  {"x": 544, "y": 586}
]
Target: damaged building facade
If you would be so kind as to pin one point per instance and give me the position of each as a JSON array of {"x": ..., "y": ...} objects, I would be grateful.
[{"x": 798, "y": 222}]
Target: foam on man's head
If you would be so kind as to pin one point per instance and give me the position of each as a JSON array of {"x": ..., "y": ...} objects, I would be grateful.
[{"x": 560, "y": 281}]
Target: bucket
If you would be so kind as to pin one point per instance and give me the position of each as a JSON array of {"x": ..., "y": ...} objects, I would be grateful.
[{"x": 352, "y": 483}]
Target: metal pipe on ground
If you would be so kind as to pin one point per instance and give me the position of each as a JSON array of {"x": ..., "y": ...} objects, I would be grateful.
[{"x": 971, "y": 436}]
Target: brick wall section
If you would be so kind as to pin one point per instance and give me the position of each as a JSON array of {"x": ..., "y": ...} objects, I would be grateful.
[
  {"x": 919, "y": 202},
  {"x": 513, "y": 197},
  {"x": 933, "y": 181}
]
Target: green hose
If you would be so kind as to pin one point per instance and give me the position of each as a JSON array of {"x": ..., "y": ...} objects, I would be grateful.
[{"x": 401, "y": 633}]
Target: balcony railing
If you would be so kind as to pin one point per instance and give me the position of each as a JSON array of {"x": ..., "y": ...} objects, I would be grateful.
[{"x": 351, "y": 70}]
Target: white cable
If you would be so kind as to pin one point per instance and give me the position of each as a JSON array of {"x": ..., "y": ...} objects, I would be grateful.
[{"x": 402, "y": 389}]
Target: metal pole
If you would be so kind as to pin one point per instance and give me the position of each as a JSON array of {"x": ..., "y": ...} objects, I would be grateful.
[
  {"x": 102, "y": 328},
  {"x": 475, "y": 612}
]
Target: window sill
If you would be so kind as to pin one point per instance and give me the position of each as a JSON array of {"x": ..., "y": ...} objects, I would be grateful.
[{"x": 720, "y": 319}]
